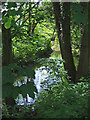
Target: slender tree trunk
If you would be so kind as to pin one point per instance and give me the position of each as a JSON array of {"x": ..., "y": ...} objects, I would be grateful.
[
  {"x": 64, "y": 37},
  {"x": 7, "y": 46}
]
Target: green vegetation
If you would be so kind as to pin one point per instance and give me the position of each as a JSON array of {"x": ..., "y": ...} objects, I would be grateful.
[
  {"x": 48, "y": 36},
  {"x": 13, "y": 79},
  {"x": 29, "y": 48},
  {"x": 64, "y": 101}
]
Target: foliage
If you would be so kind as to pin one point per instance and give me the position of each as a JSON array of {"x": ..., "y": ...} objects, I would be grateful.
[
  {"x": 76, "y": 35},
  {"x": 8, "y": 14},
  {"x": 56, "y": 54},
  {"x": 17, "y": 111},
  {"x": 36, "y": 46},
  {"x": 64, "y": 101},
  {"x": 32, "y": 26},
  {"x": 14, "y": 74},
  {"x": 79, "y": 19},
  {"x": 79, "y": 12},
  {"x": 26, "y": 23}
]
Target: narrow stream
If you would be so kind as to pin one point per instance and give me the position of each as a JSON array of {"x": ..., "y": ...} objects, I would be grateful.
[{"x": 41, "y": 75}]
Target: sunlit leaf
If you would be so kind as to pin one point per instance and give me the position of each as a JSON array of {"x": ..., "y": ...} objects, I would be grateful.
[{"x": 8, "y": 22}]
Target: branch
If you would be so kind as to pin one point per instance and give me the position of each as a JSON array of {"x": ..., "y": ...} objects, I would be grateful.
[
  {"x": 21, "y": 6},
  {"x": 28, "y": 11},
  {"x": 29, "y": 18},
  {"x": 34, "y": 25}
]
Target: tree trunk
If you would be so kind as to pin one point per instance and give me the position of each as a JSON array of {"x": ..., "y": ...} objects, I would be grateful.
[
  {"x": 64, "y": 37},
  {"x": 7, "y": 46},
  {"x": 82, "y": 69},
  {"x": 89, "y": 37},
  {"x": 57, "y": 12},
  {"x": 7, "y": 55},
  {"x": 84, "y": 58}
]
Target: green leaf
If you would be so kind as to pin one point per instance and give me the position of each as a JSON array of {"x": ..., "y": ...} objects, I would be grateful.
[
  {"x": 23, "y": 90},
  {"x": 79, "y": 13},
  {"x": 11, "y": 4},
  {"x": 7, "y": 25},
  {"x": 12, "y": 12},
  {"x": 28, "y": 88},
  {"x": 29, "y": 72},
  {"x": 7, "y": 91},
  {"x": 7, "y": 76},
  {"x": 8, "y": 22},
  {"x": 16, "y": 91},
  {"x": 80, "y": 18},
  {"x": 4, "y": 19},
  {"x": 19, "y": 12},
  {"x": 13, "y": 23}
]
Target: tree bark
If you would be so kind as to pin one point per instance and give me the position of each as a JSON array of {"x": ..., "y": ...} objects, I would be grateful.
[
  {"x": 64, "y": 37},
  {"x": 7, "y": 46},
  {"x": 82, "y": 69},
  {"x": 89, "y": 37},
  {"x": 7, "y": 55},
  {"x": 84, "y": 58}
]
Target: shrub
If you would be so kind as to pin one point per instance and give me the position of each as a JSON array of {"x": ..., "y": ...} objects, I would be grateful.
[
  {"x": 64, "y": 101},
  {"x": 16, "y": 111}
]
